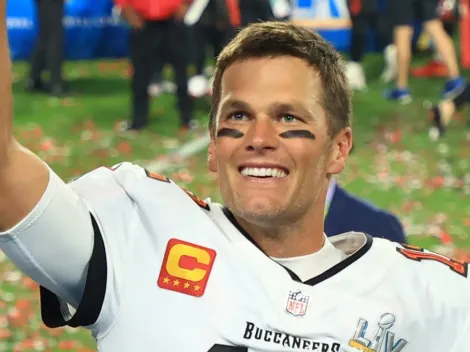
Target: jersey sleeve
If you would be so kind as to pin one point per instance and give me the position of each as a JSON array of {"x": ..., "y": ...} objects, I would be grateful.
[
  {"x": 53, "y": 243},
  {"x": 73, "y": 245},
  {"x": 113, "y": 215},
  {"x": 444, "y": 285}
]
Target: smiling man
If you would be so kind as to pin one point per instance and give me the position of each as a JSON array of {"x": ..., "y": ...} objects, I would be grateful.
[
  {"x": 149, "y": 266},
  {"x": 271, "y": 139}
]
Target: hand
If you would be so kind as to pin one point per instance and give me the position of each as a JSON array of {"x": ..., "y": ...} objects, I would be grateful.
[
  {"x": 179, "y": 15},
  {"x": 133, "y": 18}
]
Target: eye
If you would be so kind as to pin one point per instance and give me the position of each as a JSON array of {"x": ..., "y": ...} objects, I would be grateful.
[
  {"x": 238, "y": 116},
  {"x": 289, "y": 118}
]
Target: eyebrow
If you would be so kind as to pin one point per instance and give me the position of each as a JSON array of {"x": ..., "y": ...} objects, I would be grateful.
[
  {"x": 236, "y": 104},
  {"x": 292, "y": 107}
]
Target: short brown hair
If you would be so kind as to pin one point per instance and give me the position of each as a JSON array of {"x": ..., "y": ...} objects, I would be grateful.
[{"x": 273, "y": 39}]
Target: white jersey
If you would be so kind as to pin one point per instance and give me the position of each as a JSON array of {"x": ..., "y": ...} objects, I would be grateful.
[{"x": 170, "y": 272}]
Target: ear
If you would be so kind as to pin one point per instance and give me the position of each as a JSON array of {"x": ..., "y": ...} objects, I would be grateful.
[
  {"x": 211, "y": 161},
  {"x": 340, "y": 148}
]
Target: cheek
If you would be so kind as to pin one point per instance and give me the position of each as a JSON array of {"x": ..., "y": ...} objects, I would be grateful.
[
  {"x": 319, "y": 166},
  {"x": 225, "y": 150},
  {"x": 310, "y": 160},
  {"x": 221, "y": 159},
  {"x": 305, "y": 153},
  {"x": 224, "y": 159}
]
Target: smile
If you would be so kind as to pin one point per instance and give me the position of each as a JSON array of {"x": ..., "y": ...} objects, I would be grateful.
[{"x": 263, "y": 172}]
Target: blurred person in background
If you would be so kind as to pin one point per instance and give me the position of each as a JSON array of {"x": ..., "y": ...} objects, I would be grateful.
[
  {"x": 159, "y": 84},
  {"x": 213, "y": 29},
  {"x": 404, "y": 13},
  {"x": 48, "y": 53},
  {"x": 216, "y": 25},
  {"x": 156, "y": 30},
  {"x": 281, "y": 9},
  {"x": 346, "y": 212},
  {"x": 366, "y": 15},
  {"x": 448, "y": 11}
]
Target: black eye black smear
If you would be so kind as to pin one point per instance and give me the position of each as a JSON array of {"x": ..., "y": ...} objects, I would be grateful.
[
  {"x": 298, "y": 134},
  {"x": 229, "y": 132}
]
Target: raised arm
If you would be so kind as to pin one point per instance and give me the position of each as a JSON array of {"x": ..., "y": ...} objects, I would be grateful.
[
  {"x": 23, "y": 176},
  {"x": 45, "y": 228},
  {"x": 56, "y": 233}
]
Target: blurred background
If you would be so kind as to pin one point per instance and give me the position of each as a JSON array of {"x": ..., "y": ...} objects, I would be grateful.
[{"x": 73, "y": 107}]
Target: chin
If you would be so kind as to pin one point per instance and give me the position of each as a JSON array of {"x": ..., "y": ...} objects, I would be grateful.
[{"x": 259, "y": 210}]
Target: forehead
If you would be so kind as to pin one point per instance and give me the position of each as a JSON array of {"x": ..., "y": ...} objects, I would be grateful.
[{"x": 271, "y": 79}]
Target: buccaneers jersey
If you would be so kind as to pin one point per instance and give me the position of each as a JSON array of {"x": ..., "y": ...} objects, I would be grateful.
[{"x": 171, "y": 272}]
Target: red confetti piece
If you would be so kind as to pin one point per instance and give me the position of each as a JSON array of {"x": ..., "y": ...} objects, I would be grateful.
[
  {"x": 68, "y": 345},
  {"x": 16, "y": 318},
  {"x": 47, "y": 145},
  {"x": 437, "y": 182},
  {"x": 445, "y": 237},
  {"x": 89, "y": 125},
  {"x": 4, "y": 334},
  {"x": 37, "y": 132},
  {"x": 29, "y": 283},
  {"x": 124, "y": 148}
]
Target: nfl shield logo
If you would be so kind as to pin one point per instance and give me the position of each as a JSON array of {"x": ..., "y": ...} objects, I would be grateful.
[{"x": 297, "y": 303}]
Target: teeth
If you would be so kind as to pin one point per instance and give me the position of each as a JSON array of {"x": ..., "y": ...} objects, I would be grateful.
[{"x": 263, "y": 172}]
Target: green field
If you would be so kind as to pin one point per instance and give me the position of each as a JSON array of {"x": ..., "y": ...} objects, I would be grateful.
[{"x": 395, "y": 165}]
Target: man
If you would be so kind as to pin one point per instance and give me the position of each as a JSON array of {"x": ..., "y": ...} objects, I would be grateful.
[
  {"x": 214, "y": 28},
  {"x": 403, "y": 13},
  {"x": 49, "y": 50},
  {"x": 156, "y": 28},
  {"x": 149, "y": 266},
  {"x": 448, "y": 11},
  {"x": 366, "y": 14},
  {"x": 346, "y": 212}
]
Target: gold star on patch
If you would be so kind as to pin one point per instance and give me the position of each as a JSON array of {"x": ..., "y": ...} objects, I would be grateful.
[
  {"x": 186, "y": 285},
  {"x": 166, "y": 280},
  {"x": 176, "y": 283},
  {"x": 196, "y": 288}
]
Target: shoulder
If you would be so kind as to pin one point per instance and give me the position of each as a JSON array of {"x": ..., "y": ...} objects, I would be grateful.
[
  {"x": 136, "y": 184},
  {"x": 441, "y": 286},
  {"x": 444, "y": 280},
  {"x": 103, "y": 174},
  {"x": 431, "y": 289},
  {"x": 99, "y": 180},
  {"x": 126, "y": 200}
]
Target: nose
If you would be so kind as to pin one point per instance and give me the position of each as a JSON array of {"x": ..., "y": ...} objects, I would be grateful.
[{"x": 262, "y": 136}]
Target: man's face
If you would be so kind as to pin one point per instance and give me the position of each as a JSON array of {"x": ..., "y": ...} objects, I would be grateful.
[{"x": 271, "y": 147}]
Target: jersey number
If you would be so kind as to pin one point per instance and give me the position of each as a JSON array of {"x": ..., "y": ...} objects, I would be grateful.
[
  {"x": 224, "y": 348},
  {"x": 418, "y": 254}
]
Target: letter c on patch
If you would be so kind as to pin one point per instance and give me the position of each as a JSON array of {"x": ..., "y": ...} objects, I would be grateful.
[{"x": 179, "y": 250}]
